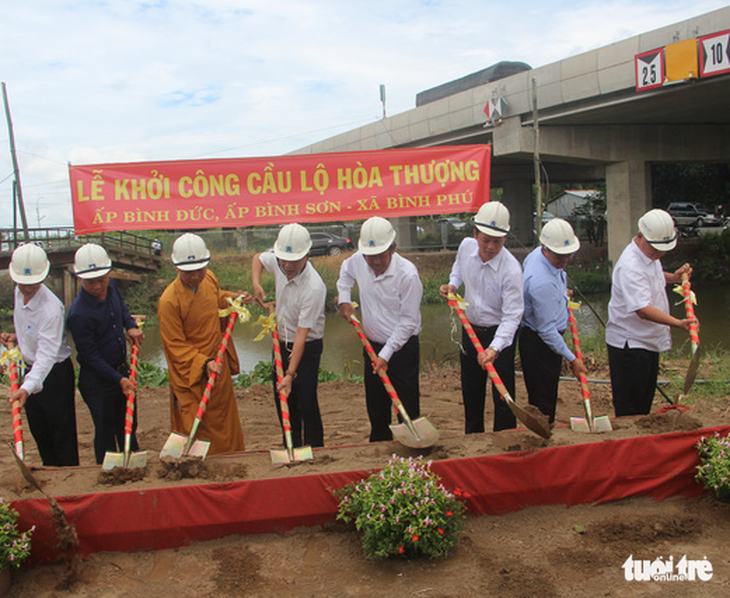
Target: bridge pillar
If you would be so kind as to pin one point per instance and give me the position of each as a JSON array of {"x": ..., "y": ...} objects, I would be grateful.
[
  {"x": 517, "y": 196},
  {"x": 628, "y": 197}
]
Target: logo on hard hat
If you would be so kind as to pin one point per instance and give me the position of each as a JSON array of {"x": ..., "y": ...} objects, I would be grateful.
[
  {"x": 493, "y": 223},
  {"x": 92, "y": 266},
  {"x": 191, "y": 257},
  {"x": 566, "y": 242},
  {"x": 371, "y": 243},
  {"x": 289, "y": 249},
  {"x": 27, "y": 271}
]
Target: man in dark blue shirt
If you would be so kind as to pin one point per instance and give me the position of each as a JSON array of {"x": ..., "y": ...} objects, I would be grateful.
[{"x": 100, "y": 324}]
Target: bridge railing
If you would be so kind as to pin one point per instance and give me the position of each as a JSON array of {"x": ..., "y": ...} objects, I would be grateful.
[{"x": 60, "y": 238}]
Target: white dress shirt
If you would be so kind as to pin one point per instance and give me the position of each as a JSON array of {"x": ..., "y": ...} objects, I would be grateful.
[
  {"x": 299, "y": 301},
  {"x": 637, "y": 282},
  {"x": 40, "y": 328},
  {"x": 390, "y": 303},
  {"x": 492, "y": 290}
]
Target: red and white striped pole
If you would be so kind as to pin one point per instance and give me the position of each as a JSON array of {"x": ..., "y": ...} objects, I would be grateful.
[{"x": 17, "y": 421}]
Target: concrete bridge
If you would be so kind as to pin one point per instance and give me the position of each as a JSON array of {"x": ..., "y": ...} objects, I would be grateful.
[
  {"x": 131, "y": 254},
  {"x": 593, "y": 125}
]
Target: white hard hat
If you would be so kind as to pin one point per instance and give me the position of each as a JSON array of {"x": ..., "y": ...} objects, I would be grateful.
[
  {"x": 558, "y": 236},
  {"x": 190, "y": 253},
  {"x": 91, "y": 261},
  {"x": 29, "y": 264},
  {"x": 376, "y": 236},
  {"x": 292, "y": 243},
  {"x": 657, "y": 227},
  {"x": 493, "y": 219}
]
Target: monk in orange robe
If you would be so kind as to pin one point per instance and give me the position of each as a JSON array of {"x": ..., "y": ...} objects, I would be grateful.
[{"x": 192, "y": 332}]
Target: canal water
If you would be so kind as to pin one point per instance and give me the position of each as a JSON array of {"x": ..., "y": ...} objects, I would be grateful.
[{"x": 342, "y": 348}]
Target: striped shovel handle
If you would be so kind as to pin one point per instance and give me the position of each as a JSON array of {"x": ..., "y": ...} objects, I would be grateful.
[
  {"x": 129, "y": 416},
  {"x": 491, "y": 372},
  {"x": 694, "y": 335},
  {"x": 576, "y": 349},
  {"x": 383, "y": 376},
  {"x": 203, "y": 405},
  {"x": 283, "y": 399},
  {"x": 17, "y": 421}
]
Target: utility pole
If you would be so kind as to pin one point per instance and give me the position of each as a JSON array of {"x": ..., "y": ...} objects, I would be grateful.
[
  {"x": 18, "y": 195},
  {"x": 536, "y": 158}
]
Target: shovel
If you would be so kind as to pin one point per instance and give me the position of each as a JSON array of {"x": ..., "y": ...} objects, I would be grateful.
[
  {"x": 10, "y": 357},
  {"x": 532, "y": 423},
  {"x": 694, "y": 337},
  {"x": 590, "y": 423},
  {"x": 179, "y": 445},
  {"x": 128, "y": 459},
  {"x": 413, "y": 433},
  {"x": 290, "y": 454}
]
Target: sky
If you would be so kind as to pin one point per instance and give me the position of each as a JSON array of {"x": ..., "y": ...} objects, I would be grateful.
[{"x": 132, "y": 80}]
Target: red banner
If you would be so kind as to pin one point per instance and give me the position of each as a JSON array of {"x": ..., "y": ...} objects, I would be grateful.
[{"x": 277, "y": 190}]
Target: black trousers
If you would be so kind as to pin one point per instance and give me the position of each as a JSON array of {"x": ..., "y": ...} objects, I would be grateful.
[
  {"x": 303, "y": 402},
  {"x": 634, "y": 373},
  {"x": 474, "y": 383},
  {"x": 108, "y": 406},
  {"x": 402, "y": 371},
  {"x": 51, "y": 415},
  {"x": 541, "y": 367}
]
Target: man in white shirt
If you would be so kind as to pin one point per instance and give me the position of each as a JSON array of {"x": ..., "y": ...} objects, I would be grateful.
[
  {"x": 492, "y": 279},
  {"x": 300, "y": 300},
  {"x": 638, "y": 314},
  {"x": 390, "y": 292},
  {"x": 48, "y": 391}
]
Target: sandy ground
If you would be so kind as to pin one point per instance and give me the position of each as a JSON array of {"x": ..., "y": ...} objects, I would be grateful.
[{"x": 535, "y": 552}]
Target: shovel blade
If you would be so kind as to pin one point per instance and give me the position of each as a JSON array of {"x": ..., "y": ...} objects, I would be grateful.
[
  {"x": 137, "y": 460},
  {"x": 529, "y": 421},
  {"x": 579, "y": 424},
  {"x": 689, "y": 378},
  {"x": 301, "y": 453},
  {"x": 112, "y": 460},
  {"x": 425, "y": 433},
  {"x": 279, "y": 456},
  {"x": 175, "y": 447},
  {"x": 602, "y": 424}
]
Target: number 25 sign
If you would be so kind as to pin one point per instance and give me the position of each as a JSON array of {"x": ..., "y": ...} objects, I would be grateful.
[{"x": 649, "y": 69}]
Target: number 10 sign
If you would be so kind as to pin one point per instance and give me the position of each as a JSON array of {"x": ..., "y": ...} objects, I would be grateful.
[
  {"x": 649, "y": 68},
  {"x": 715, "y": 54}
]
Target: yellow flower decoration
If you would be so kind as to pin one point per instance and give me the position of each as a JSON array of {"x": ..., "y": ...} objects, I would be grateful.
[
  {"x": 574, "y": 304},
  {"x": 10, "y": 355},
  {"x": 460, "y": 303},
  {"x": 678, "y": 289},
  {"x": 236, "y": 306},
  {"x": 268, "y": 324}
]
